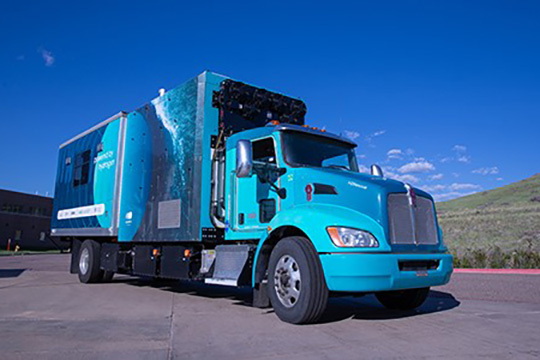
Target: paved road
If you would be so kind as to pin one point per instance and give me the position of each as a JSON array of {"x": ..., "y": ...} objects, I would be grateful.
[{"x": 46, "y": 313}]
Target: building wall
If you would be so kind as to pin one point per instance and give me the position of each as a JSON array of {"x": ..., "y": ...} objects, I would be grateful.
[{"x": 26, "y": 220}]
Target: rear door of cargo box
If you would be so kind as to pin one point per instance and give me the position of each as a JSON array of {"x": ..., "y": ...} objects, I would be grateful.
[{"x": 87, "y": 181}]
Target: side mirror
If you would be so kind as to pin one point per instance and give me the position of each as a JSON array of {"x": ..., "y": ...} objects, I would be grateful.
[
  {"x": 376, "y": 170},
  {"x": 244, "y": 159}
]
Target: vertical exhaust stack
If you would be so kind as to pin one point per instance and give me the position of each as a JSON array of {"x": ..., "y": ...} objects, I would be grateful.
[{"x": 217, "y": 183}]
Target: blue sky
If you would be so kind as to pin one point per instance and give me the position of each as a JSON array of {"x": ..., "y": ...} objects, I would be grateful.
[{"x": 445, "y": 95}]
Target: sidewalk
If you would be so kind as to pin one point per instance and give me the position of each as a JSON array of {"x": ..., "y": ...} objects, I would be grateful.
[{"x": 499, "y": 271}]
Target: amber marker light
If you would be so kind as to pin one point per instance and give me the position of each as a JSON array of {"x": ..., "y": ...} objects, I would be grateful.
[
  {"x": 334, "y": 235},
  {"x": 187, "y": 253},
  {"x": 349, "y": 237}
]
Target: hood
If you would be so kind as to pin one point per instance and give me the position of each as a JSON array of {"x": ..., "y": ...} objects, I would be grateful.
[{"x": 364, "y": 193}]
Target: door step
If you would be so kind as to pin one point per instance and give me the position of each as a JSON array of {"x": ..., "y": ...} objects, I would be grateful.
[
  {"x": 232, "y": 265},
  {"x": 223, "y": 282}
]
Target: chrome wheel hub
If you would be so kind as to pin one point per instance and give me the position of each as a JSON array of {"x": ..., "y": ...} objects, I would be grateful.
[
  {"x": 84, "y": 261},
  {"x": 287, "y": 281}
]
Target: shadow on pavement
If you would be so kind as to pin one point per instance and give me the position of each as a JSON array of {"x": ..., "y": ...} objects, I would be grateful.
[
  {"x": 10, "y": 273},
  {"x": 369, "y": 308},
  {"x": 339, "y": 308},
  {"x": 242, "y": 295}
]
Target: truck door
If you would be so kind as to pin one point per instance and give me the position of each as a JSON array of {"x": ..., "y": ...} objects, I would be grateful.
[{"x": 255, "y": 200}]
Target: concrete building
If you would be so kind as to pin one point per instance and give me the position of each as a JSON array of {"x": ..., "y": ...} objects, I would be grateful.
[{"x": 26, "y": 220}]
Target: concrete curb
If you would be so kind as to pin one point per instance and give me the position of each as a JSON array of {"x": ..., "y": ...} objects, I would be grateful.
[{"x": 499, "y": 271}]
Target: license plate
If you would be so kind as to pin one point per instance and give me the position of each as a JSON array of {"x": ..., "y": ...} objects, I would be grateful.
[{"x": 421, "y": 273}]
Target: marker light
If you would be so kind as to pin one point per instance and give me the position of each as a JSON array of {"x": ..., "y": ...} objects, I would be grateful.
[{"x": 348, "y": 237}]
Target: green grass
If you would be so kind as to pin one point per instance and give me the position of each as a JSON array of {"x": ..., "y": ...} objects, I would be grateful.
[
  {"x": 496, "y": 228},
  {"x": 509, "y": 228}
]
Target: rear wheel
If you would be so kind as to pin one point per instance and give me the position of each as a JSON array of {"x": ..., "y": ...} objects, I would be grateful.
[
  {"x": 89, "y": 262},
  {"x": 297, "y": 288},
  {"x": 403, "y": 299}
]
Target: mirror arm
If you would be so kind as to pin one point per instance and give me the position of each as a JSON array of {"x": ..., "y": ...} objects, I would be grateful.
[{"x": 282, "y": 193}]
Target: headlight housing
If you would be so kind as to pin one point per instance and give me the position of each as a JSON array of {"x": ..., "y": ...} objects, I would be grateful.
[{"x": 349, "y": 237}]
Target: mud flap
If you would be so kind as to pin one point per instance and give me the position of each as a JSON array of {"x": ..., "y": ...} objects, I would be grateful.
[{"x": 75, "y": 249}]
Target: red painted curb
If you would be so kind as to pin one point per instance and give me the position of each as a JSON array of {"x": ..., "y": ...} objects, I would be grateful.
[{"x": 499, "y": 271}]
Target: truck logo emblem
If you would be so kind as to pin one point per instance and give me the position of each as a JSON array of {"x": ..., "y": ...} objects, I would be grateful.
[
  {"x": 309, "y": 191},
  {"x": 411, "y": 194},
  {"x": 352, "y": 183}
]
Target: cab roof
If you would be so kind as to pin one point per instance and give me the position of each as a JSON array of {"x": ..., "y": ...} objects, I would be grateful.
[{"x": 271, "y": 128}]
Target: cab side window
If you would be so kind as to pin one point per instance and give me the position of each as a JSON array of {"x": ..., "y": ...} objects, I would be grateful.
[{"x": 264, "y": 151}]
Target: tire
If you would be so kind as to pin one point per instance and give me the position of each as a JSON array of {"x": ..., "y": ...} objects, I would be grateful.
[
  {"x": 403, "y": 299},
  {"x": 296, "y": 285},
  {"x": 89, "y": 262}
]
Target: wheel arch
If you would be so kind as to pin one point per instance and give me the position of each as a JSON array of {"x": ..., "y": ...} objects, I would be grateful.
[{"x": 262, "y": 256}]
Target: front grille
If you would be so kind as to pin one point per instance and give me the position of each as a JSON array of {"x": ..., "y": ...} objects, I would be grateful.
[{"x": 411, "y": 224}]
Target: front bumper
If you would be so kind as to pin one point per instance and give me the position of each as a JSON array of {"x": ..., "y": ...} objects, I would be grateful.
[{"x": 371, "y": 272}]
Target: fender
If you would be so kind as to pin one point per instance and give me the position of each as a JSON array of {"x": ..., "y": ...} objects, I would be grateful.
[{"x": 313, "y": 219}]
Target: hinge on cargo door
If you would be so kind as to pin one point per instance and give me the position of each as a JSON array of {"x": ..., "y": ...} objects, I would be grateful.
[
  {"x": 215, "y": 99},
  {"x": 212, "y": 235},
  {"x": 213, "y": 141}
]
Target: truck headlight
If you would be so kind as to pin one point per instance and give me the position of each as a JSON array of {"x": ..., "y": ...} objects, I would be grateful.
[{"x": 348, "y": 237}]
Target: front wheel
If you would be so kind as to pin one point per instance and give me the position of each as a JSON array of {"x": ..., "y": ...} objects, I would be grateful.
[
  {"x": 297, "y": 288},
  {"x": 403, "y": 299}
]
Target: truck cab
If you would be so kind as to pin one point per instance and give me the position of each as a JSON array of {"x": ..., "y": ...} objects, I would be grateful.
[{"x": 369, "y": 233}]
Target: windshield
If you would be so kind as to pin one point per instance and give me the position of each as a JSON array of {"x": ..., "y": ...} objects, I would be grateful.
[{"x": 302, "y": 149}]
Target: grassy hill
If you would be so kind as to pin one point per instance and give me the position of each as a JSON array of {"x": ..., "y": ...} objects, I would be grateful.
[
  {"x": 521, "y": 193},
  {"x": 502, "y": 223}
]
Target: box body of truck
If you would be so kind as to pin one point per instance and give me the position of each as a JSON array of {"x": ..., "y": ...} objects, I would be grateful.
[{"x": 138, "y": 176}]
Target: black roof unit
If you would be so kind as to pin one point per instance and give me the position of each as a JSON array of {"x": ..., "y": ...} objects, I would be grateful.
[{"x": 243, "y": 107}]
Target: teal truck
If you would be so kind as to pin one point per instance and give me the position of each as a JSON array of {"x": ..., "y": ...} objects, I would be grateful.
[{"x": 221, "y": 182}]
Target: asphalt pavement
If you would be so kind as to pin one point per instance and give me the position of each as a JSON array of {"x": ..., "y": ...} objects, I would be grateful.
[{"x": 46, "y": 313}]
